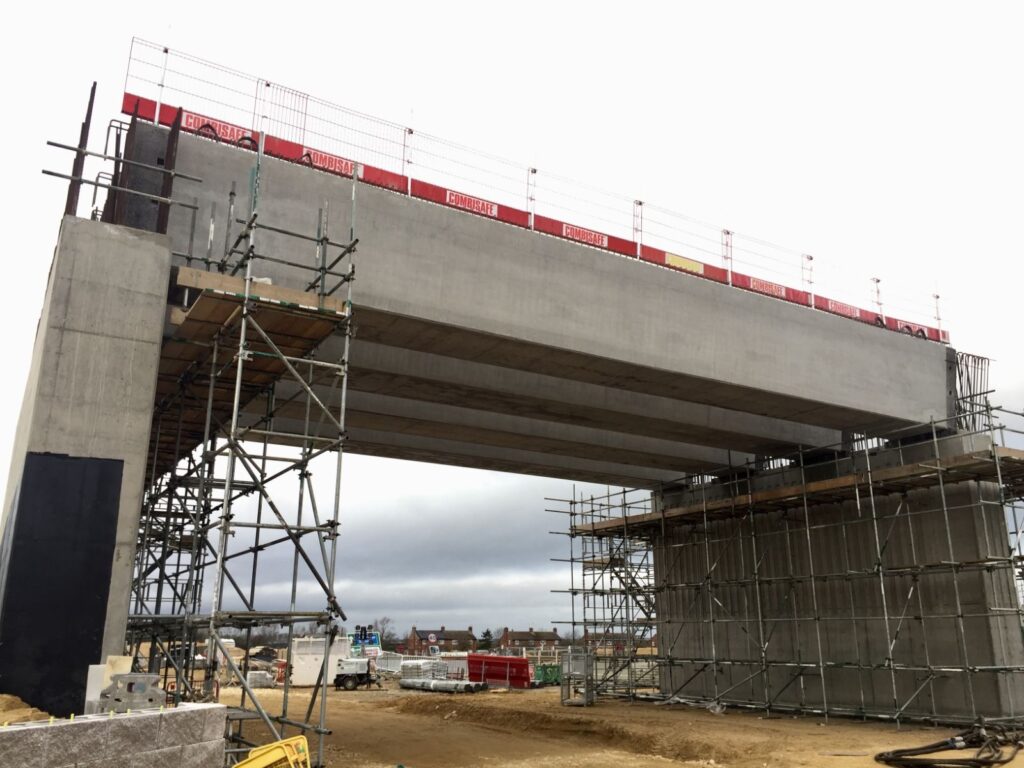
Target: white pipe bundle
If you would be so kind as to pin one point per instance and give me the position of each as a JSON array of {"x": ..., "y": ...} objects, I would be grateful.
[{"x": 445, "y": 686}]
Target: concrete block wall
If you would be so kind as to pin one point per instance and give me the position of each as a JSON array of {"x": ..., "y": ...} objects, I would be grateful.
[
  {"x": 718, "y": 619},
  {"x": 189, "y": 736}
]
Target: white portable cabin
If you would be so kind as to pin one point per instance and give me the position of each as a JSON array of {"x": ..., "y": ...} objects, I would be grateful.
[{"x": 308, "y": 657}]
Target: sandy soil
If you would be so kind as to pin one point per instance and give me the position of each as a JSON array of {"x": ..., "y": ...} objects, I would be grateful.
[
  {"x": 14, "y": 710},
  {"x": 374, "y": 729}
]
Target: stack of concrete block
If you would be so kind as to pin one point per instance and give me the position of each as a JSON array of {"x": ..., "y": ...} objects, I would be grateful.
[
  {"x": 189, "y": 736},
  {"x": 258, "y": 678},
  {"x": 424, "y": 669}
]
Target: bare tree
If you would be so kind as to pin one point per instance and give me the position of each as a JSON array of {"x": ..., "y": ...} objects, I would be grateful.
[{"x": 385, "y": 627}]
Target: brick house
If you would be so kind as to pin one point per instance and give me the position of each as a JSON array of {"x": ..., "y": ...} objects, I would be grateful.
[
  {"x": 617, "y": 643},
  {"x": 511, "y": 639},
  {"x": 419, "y": 641}
]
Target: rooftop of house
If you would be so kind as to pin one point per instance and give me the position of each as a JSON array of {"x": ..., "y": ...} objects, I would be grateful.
[
  {"x": 457, "y": 635},
  {"x": 532, "y": 634}
]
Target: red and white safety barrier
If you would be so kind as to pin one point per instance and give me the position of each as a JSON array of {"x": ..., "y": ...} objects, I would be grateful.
[
  {"x": 479, "y": 206},
  {"x": 378, "y": 177}
]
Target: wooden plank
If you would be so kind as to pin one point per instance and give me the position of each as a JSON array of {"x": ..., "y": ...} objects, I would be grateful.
[
  {"x": 976, "y": 464},
  {"x": 175, "y": 316},
  {"x": 202, "y": 331},
  {"x": 1011, "y": 454},
  {"x": 295, "y": 331},
  {"x": 189, "y": 277}
]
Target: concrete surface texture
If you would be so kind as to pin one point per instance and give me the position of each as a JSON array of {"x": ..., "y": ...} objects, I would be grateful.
[
  {"x": 500, "y": 323},
  {"x": 856, "y": 607},
  {"x": 850, "y": 462},
  {"x": 93, "y": 374},
  {"x": 189, "y": 736}
]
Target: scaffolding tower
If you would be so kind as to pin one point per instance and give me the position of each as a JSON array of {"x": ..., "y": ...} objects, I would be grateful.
[
  {"x": 248, "y": 405},
  {"x": 613, "y": 617},
  {"x": 880, "y": 578}
]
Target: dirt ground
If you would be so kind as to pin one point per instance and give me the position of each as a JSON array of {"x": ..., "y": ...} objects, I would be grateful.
[
  {"x": 14, "y": 710},
  {"x": 514, "y": 729}
]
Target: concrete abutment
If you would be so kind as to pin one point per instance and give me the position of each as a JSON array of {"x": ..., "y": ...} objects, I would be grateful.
[
  {"x": 74, "y": 493},
  {"x": 901, "y": 602}
]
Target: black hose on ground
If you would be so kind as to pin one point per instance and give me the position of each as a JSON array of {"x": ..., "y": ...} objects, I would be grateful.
[{"x": 994, "y": 744}]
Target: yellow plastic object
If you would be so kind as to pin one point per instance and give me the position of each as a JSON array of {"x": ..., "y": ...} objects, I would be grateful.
[{"x": 287, "y": 753}]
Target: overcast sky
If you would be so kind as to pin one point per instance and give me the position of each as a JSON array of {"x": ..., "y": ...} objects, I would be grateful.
[{"x": 884, "y": 138}]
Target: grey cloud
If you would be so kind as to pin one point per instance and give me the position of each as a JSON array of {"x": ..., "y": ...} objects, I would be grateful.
[{"x": 427, "y": 545}]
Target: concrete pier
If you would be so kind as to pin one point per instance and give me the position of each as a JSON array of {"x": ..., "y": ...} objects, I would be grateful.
[
  {"x": 899, "y": 601},
  {"x": 761, "y": 593},
  {"x": 74, "y": 492}
]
